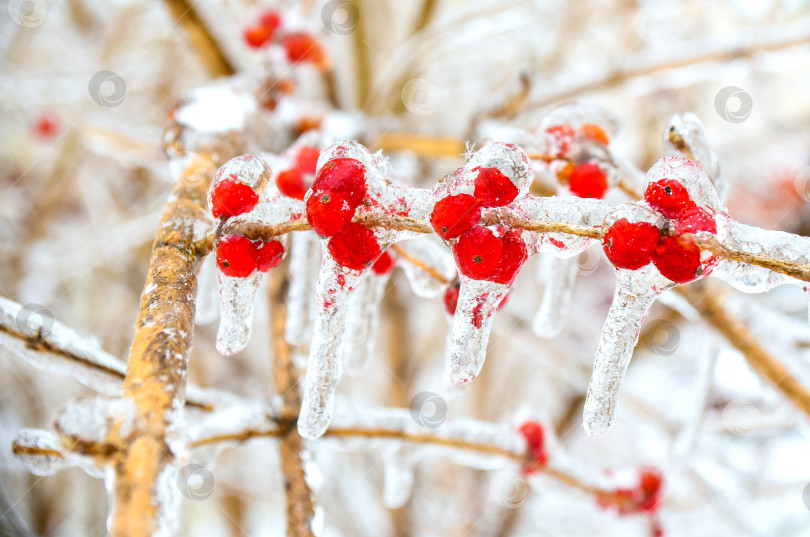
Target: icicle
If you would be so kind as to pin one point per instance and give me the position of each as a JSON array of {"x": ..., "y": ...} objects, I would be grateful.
[
  {"x": 685, "y": 135},
  {"x": 635, "y": 293},
  {"x": 236, "y": 299},
  {"x": 472, "y": 323},
  {"x": 399, "y": 462},
  {"x": 362, "y": 323},
  {"x": 207, "y": 303},
  {"x": 305, "y": 257},
  {"x": 429, "y": 252},
  {"x": 558, "y": 276}
]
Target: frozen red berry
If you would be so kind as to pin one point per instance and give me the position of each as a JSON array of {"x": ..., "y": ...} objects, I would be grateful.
[
  {"x": 631, "y": 245},
  {"x": 514, "y": 254},
  {"x": 564, "y": 135},
  {"x": 649, "y": 487},
  {"x": 47, "y": 126},
  {"x": 478, "y": 253},
  {"x": 535, "y": 443},
  {"x": 455, "y": 215},
  {"x": 384, "y": 264},
  {"x": 291, "y": 183},
  {"x": 236, "y": 256},
  {"x": 270, "y": 19},
  {"x": 595, "y": 133},
  {"x": 257, "y": 36},
  {"x": 587, "y": 180},
  {"x": 695, "y": 220},
  {"x": 354, "y": 247},
  {"x": 328, "y": 213},
  {"x": 306, "y": 161},
  {"x": 669, "y": 197},
  {"x": 677, "y": 258},
  {"x": 451, "y": 297},
  {"x": 304, "y": 48},
  {"x": 268, "y": 255},
  {"x": 493, "y": 188},
  {"x": 345, "y": 176},
  {"x": 231, "y": 198}
]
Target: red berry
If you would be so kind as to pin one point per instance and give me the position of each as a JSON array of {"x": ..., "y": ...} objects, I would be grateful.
[
  {"x": 535, "y": 442},
  {"x": 564, "y": 135},
  {"x": 451, "y": 297},
  {"x": 306, "y": 161},
  {"x": 46, "y": 126},
  {"x": 384, "y": 264},
  {"x": 594, "y": 132},
  {"x": 345, "y": 176},
  {"x": 270, "y": 19},
  {"x": 236, "y": 256},
  {"x": 268, "y": 255},
  {"x": 478, "y": 253},
  {"x": 291, "y": 184},
  {"x": 649, "y": 488},
  {"x": 631, "y": 245},
  {"x": 231, "y": 198},
  {"x": 328, "y": 213},
  {"x": 514, "y": 255},
  {"x": 677, "y": 258},
  {"x": 258, "y": 36},
  {"x": 587, "y": 180},
  {"x": 304, "y": 48},
  {"x": 493, "y": 188},
  {"x": 695, "y": 220},
  {"x": 355, "y": 247},
  {"x": 668, "y": 197},
  {"x": 455, "y": 215}
]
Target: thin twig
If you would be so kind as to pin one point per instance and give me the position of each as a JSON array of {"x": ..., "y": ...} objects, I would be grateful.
[
  {"x": 420, "y": 264},
  {"x": 213, "y": 59},
  {"x": 799, "y": 271}
]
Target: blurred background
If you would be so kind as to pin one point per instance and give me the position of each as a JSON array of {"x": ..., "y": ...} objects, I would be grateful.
[{"x": 83, "y": 181}]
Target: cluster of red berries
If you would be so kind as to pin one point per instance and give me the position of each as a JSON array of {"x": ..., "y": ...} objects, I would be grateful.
[
  {"x": 565, "y": 135},
  {"x": 587, "y": 179},
  {"x": 535, "y": 445},
  {"x": 645, "y": 497},
  {"x": 632, "y": 245},
  {"x": 479, "y": 253},
  {"x": 300, "y": 47},
  {"x": 338, "y": 190},
  {"x": 294, "y": 182},
  {"x": 238, "y": 256}
]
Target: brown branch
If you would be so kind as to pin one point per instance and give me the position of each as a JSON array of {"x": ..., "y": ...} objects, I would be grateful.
[
  {"x": 423, "y": 146},
  {"x": 203, "y": 42},
  {"x": 158, "y": 358},
  {"x": 766, "y": 366},
  {"x": 494, "y": 218},
  {"x": 420, "y": 264},
  {"x": 300, "y": 508},
  {"x": 799, "y": 271}
]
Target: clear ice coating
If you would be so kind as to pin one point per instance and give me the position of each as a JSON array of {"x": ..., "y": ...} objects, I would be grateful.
[
  {"x": 305, "y": 258},
  {"x": 421, "y": 257},
  {"x": 237, "y": 295},
  {"x": 362, "y": 323},
  {"x": 337, "y": 283},
  {"x": 685, "y": 135},
  {"x": 557, "y": 276},
  {"x": 207, "y": 304},
  {"x": 40, "y": 452}
]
